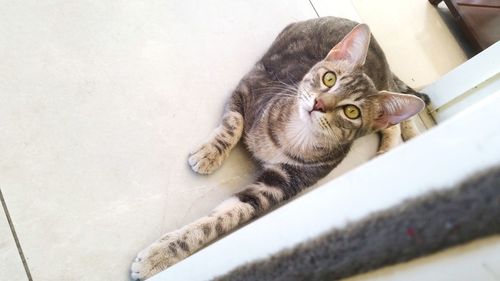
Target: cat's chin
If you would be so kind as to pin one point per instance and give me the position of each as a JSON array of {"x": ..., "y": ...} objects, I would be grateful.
[
  {"x": 311, "y": 118},
  {"x": 305, "y": 114},
  {"x": 307, "y": 124}
]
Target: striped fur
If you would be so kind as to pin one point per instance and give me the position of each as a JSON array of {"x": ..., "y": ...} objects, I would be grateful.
[
  {"x": 293, "y": 142},
  {"x": 210, "y": 156}
]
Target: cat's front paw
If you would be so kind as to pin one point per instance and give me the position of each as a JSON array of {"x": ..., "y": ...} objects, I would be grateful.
[
  {"x": 142, "y": 267},
  {"x": 206, "y": 160},
  {"x": 155, "y": 258},
  {"x": 380, "y": 152}
]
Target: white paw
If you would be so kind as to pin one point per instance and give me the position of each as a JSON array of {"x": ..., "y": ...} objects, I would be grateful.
[
  {"x": 141, "y": 267},
  {"x": 155, "y": 258},
  {"x": 206, "y": 160}
]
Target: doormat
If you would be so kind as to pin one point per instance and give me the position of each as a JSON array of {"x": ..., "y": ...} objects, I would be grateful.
[{"x": 412, "y": 229}]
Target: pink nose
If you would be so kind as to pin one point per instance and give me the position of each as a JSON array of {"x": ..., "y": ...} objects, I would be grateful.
[{"x": 319, "y": 105}]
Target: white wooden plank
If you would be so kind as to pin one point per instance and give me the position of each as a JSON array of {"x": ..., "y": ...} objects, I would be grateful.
[
  {"x": 460, "y": 103},
  {"x": 465, "y": 77}
]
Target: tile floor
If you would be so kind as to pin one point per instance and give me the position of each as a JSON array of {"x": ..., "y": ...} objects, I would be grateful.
[
  {"x": 103, "y": 100},
  {"x": 418, "y": 43},
  {"x": 12, "y": 267}
]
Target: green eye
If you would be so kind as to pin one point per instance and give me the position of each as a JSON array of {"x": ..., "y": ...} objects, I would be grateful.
[
  {"x": 329, "y": 79},
  {"x": 351, "y": 111}
]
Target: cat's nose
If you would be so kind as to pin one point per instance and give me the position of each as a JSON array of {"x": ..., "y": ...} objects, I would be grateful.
[{"x": 319, "y": 105}]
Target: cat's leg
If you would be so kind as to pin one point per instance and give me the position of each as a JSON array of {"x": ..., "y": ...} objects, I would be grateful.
[
  {"x": 409, "y": 129},
  {"x": 209, "y": 157},
  {"x": 274, "y": 185},
  {"x": 389, "y": 138},
  {"x": 179, "y": 244}
]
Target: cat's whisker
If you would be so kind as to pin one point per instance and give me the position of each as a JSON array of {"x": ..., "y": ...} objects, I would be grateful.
[
  {"x": 303, "y": 97},
  {"x": 329, "y": 125},
  {"x": 280, "y": 90},
  {"x": 286, "y": 84}
]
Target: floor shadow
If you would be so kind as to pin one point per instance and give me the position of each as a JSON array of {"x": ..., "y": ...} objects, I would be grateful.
[{"x": 452, "y": 24}]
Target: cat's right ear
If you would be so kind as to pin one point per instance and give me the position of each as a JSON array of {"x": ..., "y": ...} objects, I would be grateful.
[
  {"x": 353, "y": 48},
  {"x": 393, "y": 108}
]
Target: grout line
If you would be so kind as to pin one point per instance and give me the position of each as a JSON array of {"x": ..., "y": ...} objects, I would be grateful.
[
  {"x": 314, "y": 8},
  {"x": 14, "y": 234},
  {"x": 490, "y": 271}
]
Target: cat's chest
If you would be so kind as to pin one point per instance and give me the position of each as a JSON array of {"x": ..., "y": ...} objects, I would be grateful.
[
  {"x": 263, "y": 137},
  {"x": 271, "y": 145},
  {"x": 270, "y": 155}
]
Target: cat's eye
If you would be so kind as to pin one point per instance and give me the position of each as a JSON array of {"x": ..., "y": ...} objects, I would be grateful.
[
  {"x": 351, "y": 111},
  {"x": 329, "y": 79}
]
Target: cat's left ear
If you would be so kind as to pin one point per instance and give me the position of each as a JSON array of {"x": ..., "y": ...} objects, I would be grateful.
[
  {"x": 393, "y": 108},
  {"x": 353, "y": 48}
]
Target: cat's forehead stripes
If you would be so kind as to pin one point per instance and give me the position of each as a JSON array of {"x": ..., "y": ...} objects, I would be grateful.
[{"x": 346, "y": 80}]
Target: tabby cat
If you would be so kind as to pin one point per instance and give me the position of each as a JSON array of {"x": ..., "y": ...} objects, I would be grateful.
[{"x": 299, "y": 110}]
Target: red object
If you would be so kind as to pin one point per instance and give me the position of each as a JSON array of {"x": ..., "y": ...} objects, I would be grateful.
[{"x": 410, "y": 231}]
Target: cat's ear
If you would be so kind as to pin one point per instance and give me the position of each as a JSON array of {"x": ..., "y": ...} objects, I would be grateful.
[
  {"x": 392, "y": 108},
  {"x": 353, "y": 48}
]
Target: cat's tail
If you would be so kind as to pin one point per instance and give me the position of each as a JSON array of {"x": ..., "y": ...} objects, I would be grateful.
[{"x": 405, "y": 89}]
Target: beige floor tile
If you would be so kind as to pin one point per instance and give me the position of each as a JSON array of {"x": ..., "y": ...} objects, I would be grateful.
[
  {"x": 11, "y": 267},
  {"x": 101, "y": 103},
  {"x": 336, "y": 8},
  {"x": 418, "y": 44}
]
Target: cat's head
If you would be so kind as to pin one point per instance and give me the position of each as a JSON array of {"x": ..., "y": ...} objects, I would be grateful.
[{"x": 338, "y": 99}]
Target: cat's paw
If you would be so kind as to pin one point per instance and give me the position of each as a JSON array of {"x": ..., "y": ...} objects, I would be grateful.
[
  {"x": 142, "y": 267},
  {"x": 155, "y": 258},
  {"x": 380, "y": 152},
  {"x": 206, "y": 160}
]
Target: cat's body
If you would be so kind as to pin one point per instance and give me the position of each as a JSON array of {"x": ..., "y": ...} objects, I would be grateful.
[{"x": 299, "y": 110}]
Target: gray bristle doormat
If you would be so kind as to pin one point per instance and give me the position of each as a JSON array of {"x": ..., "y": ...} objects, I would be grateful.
[{"x": 415, "y": 228}]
